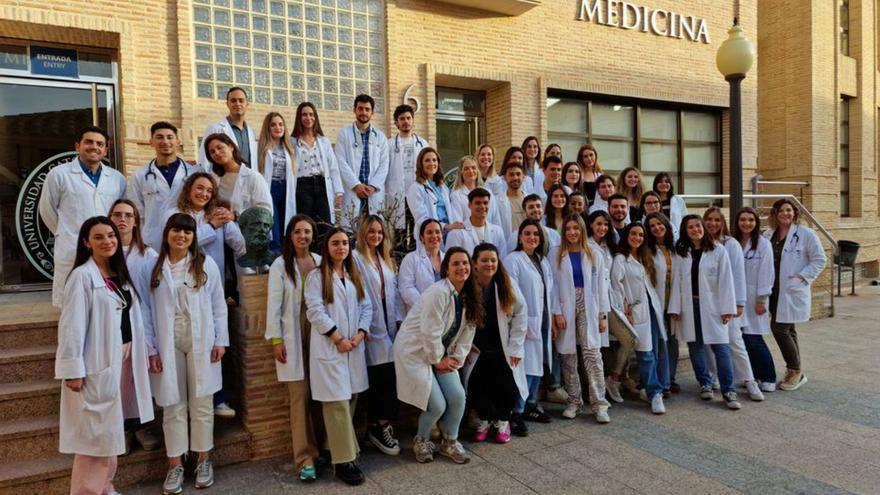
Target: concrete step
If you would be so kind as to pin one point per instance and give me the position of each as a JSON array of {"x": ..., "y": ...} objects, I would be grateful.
[
  {"x": 18, "y": 364},
  {"x": 29, "y": 319},
  {"x": 51, "y": 474},
  {"x": 14, "y": 335},
  {"x": 29, "y": 399},
  {"x": 28, "y": 438}
]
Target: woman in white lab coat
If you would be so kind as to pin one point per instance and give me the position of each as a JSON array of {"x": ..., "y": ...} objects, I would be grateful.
[
  {"x": 582, "y": 317},
  {"x": 373, "y": 260},
  {"x": 671, "y": 205},
  {"x": 467, "y": 180},
  {"x": 100, "y": 332},
  {"x": 190, "y": 336},
  {"x": 288, "y": 331},
  {"x": 340, "y": 313},
  {"x": 431, "y": 346},
  {"x": 798, "y": 259},
  {"x": 531, "y": 273},
  {"x": 278, "y": 168},
  {"x": 661, "y": 239},
  {"x": 758, "y": 259},
  {"x": 486, "y": 161},
  {"x": 242, "y": 186},
  {"x": 497, "y": 379},
  {"x": 701, "y": 303},
  {"x": 421, "y": 268},
  {"x": 319, "y": 188},
  {"x": 428, "y": 197},
  {"x": 633, "y": 277},
  {"x": 716, "y": 227}
]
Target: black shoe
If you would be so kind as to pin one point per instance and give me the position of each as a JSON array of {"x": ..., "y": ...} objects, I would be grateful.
[
  {"x": 518, "y": 425},
  {"x": 349, "y": 473},
  {"x": 667, "y": 394},
  {"x": 536, "y": 414},
  {"x": 382, "y": 437},
  {"x": 674, "y": 388}
]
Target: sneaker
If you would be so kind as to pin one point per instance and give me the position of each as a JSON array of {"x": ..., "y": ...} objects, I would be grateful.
[
  {"x": 423, "y": 449},
  {"x": 224, "y": 411},
  {"x": 754, "y": 391},
  {"x": 173, "y": 481},
  {"x": 349, "y": 473},
  {"x": 204, "y": 474},
  {"x": 518, "y": 425},
  {"x": 454, "y": 451},
  {"x": 630, "y": 386},
  {"x": 794, "y": 381},
  {"x": 557, "y": 395},
  {"x": 535, "y": 414},
  {"x": 706, "y": 392},
  {"x": 768, "y": 387},
  {"x": 657, "y": 406},
  {"x": 148, "y": 439},
  {"x": 602, "y": 416},
  {"x": 308, "y": 474},
  {"x": 732, "y": 401},
  {"x": 612, "y": 388},
  {"x": 675, "y": 388},
  {"x": 716, "y": 385},
  {"x": 571, "y": 411},
  {"x": 482, "y": 431},
  {"x": 382, "y": 436},
  {"x": 502, "y": 432}
]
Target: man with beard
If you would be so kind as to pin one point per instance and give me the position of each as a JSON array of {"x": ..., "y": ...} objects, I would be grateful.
[
  {"x": 403, "y": 150},
  {"x": 234, "y": 126}
]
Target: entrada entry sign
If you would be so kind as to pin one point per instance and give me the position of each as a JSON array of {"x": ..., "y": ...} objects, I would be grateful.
[{"x": 627, "y": 15}]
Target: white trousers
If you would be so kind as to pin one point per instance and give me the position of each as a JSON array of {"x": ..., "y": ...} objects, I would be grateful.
[{"x": 742, "y": 367}]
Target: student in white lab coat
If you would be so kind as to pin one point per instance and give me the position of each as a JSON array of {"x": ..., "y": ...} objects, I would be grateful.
[
  {"x": 468, "y": 179},
  {"x": 362, "y": 155},
  {"x": 534, "y": 210},
  {"x": 402, "y": 152},
  {"x": 243, "y": 187},
  {"x": 431, "y": 346},
  {"x": 497, "y": 379},
  {"x": 532, "y": 161},
  {"x": 340, "y": 313},
  {"x": 531, "y": 273},
  {"x": 716, "y": 227},
  {"x": 428, "y": 196},
  {"x": 319, "y": 189},
  {"x": 556, "y": 208},
  {"x": 277, "y": 166},
  {"x": 571, "y": 179},
  {"x": 486, "y": 162},
  {"x": 633, "y": 277},
  {"x": 73, "y": 192},
  {"x": 286, "y": 329},
  {"x": 373, "y": 260},
  {"x": 661, "y": 240},
  {"x": 155, "y": 187},
  {"x": 477, "y": 228},
  {"x": 421, "y": 268},
  {"x": 577, "y": 202},
  {"x": 758, "y": 259},
  {"x": 583, "y": 302},
  {"x": 651, "y": 203},
  {"x": 798, "y": 259},
  {"x": 588, "y": 160},
  {"x": 189, "y": 337},
  {"x": 702, "y": 302},
  {"x": 236, "y": 128},
  {"x": 100, "y": 342},
  {"x": 671, "y": 205}
]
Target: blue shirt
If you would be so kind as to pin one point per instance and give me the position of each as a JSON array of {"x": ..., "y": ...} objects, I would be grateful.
[
  {"x": 92, "y": 177},
  {"x": 364, "y": 175},
  {"x": 439, "y": 203},
  {"x": 242, "y": 137},
  {"x": 169, "y": 171},
  {"x": 451, "y": 332},
  {"x": 577, "y": 274}
]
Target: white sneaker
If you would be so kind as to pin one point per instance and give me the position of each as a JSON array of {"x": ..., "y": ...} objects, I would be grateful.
[
  {"x": 602, "y": 416},
  {"x": 204, "y": 474},
  {"x": 768, "y": 387},
  {"x": 657, "y": 406},
  {"x": 224, "y": 411},
  {"x": 557, "y": 395},
  {"x": 173, "y": 481},
  {"x": 612, "y": 388},
  {"x": 754, "y": 391},
  {"x": 571, "y": 411}
]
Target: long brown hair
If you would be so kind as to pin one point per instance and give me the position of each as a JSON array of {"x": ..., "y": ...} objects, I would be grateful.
[
  {"x": 223, "y": 138},
  {"x": 538, "y": 158},
  {"x": 266, "y": 142},
  {"x": 755, "y": 234},
  {"x": 633, "y": 194},
  {"x": 181, "y": 221},
  {"x": 642, "y": 254},
  {"x": 137, "y": 239},
  {"x": 500, "y": 279},
  {"x": 471, "y": 295},
  {"x": 288, "y": 251},
  {"x": 420, "y": 169},
  {"x": 183, "y": 202},
  {"x": 580, "y": 161},
  {"x": 384, "y": 248},
  {"x": 684, "y": 245},
  {"x": 668, "y": 237},
  {"x": 297, "y": 124},
  {"x": 725, "y": 231},
  {"x": 326, "y": 268}
]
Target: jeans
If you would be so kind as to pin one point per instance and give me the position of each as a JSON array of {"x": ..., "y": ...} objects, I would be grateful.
[
  {"x": 760, "y": 358},
  {"x": 661, "y": 353},
  {"x": 446, "y": 404},
  {"x": 278, "y": 190},
  {"x": 532, "y": 381},
  {"x": 722, "y": 354}
]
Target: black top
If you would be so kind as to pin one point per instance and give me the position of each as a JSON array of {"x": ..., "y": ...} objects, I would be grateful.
[
  {"x": 590, "y": 191},
  {"x": 696, "y": 255},
  {"x": 126, "y": 316},
  {"x": 778, "y": 246},
  {"x": 635, "y": 214},
  {"x": 487, "y": 338},
  {"x": 666, "y": 207}
]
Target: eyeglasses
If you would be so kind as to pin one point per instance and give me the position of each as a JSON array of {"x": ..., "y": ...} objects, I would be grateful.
[{"x": 119, "y": 214}]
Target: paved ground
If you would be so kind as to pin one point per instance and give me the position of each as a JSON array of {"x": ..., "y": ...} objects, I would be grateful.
[{"x": 824, "y": 438}]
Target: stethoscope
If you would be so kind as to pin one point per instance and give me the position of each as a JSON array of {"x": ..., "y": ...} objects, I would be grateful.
[
  {"x": 355, "y": 132},
  {"x": 419, "y": 143},
  {"x": 152, "y": 171},
  {"x": 791, "y": 247}
]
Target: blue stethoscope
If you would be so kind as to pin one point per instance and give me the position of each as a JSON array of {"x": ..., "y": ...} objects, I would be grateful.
[
  {"x": 795, "y": 239},
  {"x": 419, "y": 143},
  {"x": 356, "y": 133},
  {"x": 152, "y": 171}
]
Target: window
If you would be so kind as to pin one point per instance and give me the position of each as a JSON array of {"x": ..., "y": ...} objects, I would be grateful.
[
  {"x": 844, "y": 26},
  {"x": 284, "y": 52},
  {"x": 843, "y": 165},
  {"x": 684, "y": 142}
]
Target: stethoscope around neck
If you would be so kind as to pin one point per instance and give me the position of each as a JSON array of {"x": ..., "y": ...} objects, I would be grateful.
[
  {"x": 419, "y": 143},
  {"x": 152, "y": 171},
  {"x": 355, "y": 133}
]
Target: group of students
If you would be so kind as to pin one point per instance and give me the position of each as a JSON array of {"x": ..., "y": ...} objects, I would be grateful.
[{"x": 533, "y": 271}]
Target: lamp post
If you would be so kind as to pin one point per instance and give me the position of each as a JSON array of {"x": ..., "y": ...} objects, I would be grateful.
[{"x": 734, "y": 59}]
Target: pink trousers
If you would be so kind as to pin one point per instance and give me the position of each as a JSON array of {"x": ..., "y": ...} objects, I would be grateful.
[{"x": 92, "y": 475}]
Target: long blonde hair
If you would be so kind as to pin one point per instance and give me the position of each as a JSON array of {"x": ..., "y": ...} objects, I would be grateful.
[
  {"x": 267, "y": 143},
  {"x": 584, "y": 246},
  {"x": 384, "y": 249},
  {"x": 459, "y": 181}
]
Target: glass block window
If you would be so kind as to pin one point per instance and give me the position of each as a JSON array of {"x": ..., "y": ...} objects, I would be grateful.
[{"x": 284, "y": 52}]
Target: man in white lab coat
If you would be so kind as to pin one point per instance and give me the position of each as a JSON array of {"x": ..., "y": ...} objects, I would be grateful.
[
  {"x": 477, "y": 228},
  {"x": 534, "y": 209},
  {"x": 74, "y": 192},
  {"x": 234, "y": 126},
  {"x": 402, "y": 152}
]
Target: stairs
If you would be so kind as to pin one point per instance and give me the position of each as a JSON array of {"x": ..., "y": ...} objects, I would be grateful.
[{"x": 29, "y": 408}]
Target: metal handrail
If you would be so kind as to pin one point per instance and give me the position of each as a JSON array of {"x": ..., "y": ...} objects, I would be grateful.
[{"x": 801, "y": 208}]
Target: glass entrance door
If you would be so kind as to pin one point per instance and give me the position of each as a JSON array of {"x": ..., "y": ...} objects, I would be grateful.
[
  {"x": 461, "y": 125},
  {"x": 38, "y": 123}
]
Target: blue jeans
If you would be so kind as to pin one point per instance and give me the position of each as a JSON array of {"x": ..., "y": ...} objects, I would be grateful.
[
  {"x": 723, "y": 360},
  {"x": 661, "y": 354},
  {"x": 533, "y": 381},
  {"x": 760, "y": 358},
  {"x": 278, "y": 190},
  {"x": 445, "y": 404}
]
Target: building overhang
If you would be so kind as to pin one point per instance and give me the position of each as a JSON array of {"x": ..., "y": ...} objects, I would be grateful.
[{"x": 506, "y": 7}]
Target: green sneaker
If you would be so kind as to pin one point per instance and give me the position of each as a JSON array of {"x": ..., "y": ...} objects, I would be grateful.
[{"x": 308, "y": 474}]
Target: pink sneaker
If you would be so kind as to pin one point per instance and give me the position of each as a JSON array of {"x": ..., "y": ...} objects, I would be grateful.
[
  {"x": 502, "y": 433},
  {"x": 482, "y": 431}
]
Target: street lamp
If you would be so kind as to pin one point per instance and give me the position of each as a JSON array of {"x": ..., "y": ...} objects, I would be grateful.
[{"x": 734, "y": 59}]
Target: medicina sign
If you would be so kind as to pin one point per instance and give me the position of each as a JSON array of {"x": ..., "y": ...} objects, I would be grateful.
[{"x": 661, "y": 22}]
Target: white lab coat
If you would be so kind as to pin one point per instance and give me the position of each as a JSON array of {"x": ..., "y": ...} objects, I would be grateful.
[
  {"x": 211, "y": 240},
  {"x": 615, "y": 297},
  {"x": 677, "y": 211},
  {"x": 284, "y": 302},
  {"x": 419, "y": 346},
  {"x": 415, "y": 276},
  {"x": 90, "y": 347},
  {"x": 802, "y": 255},
  {"x": 208, "y": 327},
  {"x": 250, "y": 190},
  {"x": 290, "y": 185},
  {"x": 717, "y": 296},
  {"x": 504, "y": 213},
  {"x": 223, "y": 127},
  {"x": 349, "y": 151},
  {"x": 737, "y": 268},
  {"x": 401, "y": 175},
  {"x": 422, "y": 202},
  {"x": 153, "y": 197},
  {"x": 333, "y": 375},
  {"x": 461, "y": 211},
  {"x": 382, "y": 328},
  {"x": 68, "y": 199},
  {"x": 495, "y": 185},
  {"x": 631, "y": 281},
  {"x": 760, "y": 274},
  {"x": 536, "y": 295},
  {"x": 595, "y": 293},
  {"x": 140, "y": 268},
  {"x": 551, "y": 239},
  {"x": 330, "y": 171},
  {"x": 660, "y": 286},
  {"x": 467, "y": 238}
]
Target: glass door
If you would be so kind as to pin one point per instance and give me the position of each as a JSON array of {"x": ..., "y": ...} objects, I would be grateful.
[
  {"x": 461, "y": 126},
  {"x": 38, "y": 123}
]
